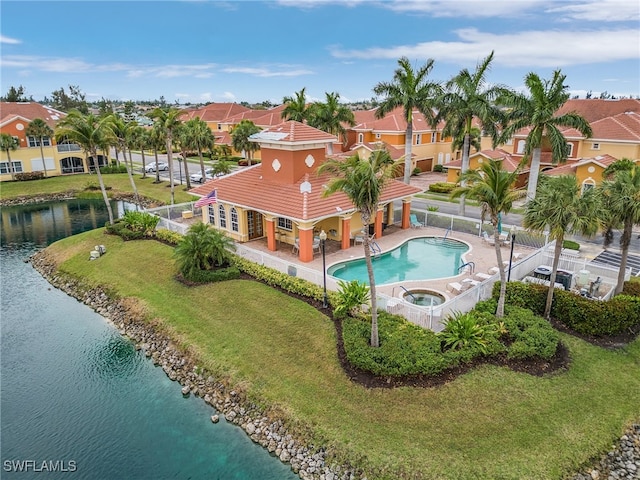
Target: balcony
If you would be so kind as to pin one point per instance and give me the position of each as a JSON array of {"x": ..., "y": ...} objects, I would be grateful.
[{"x": 68, "y": 147}]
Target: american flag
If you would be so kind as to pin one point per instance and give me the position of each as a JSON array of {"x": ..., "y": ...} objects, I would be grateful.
[{"x": 208, "y": 200}]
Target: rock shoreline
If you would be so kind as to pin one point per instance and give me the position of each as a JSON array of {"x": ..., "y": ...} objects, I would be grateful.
[{"x": 263, "y": 427}]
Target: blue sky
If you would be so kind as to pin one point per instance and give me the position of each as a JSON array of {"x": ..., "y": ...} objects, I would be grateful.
[{"x": 217, "y": 51}]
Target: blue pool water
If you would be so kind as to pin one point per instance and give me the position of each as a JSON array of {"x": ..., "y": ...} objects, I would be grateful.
[{"x": 422, "y": 258}]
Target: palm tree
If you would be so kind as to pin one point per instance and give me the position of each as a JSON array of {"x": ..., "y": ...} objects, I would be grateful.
[
  {"x": 295, "y": 107},
  {"x": 168, "y": 121},
  {"x": 331, "y": 116},
  {"x": 157, "y": 140},
  {"x": 410, "y": 90},
  {"x": 493, "y": 188},
  {"x": 559, "y": 208},
  {"x": 119, "y": 132},
  {"x": 200, "y": 137},
  {"x": 622, "y": 196},
  {"x": 9, "y": 144},
  {"x": 182, "y": 136},
  {"x": 140, "y": 139},
  {"x": 467, "y": 97},
  {"x": 88, "y": 132},
  {"x": 538, "y": 112},
  {"x": 240, "y": 138},
  {"x": 475, "y": 139},
  {"x": 39, "y": 129},
  {"x": 202, "y": 248},
  {"x": 362, "y": 181}
]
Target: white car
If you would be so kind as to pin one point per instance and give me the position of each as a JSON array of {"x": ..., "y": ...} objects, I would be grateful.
[
  {"x": 151, "y": 167},
  {"x": 197, "y": 177}
]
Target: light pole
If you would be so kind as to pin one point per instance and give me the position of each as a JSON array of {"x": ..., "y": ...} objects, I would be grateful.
[
  {"x": 323, "y": 239},
  {"x": 513, "y": 241}
]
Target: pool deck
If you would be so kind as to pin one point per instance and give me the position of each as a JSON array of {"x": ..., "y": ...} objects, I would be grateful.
[{"x": 481, "y": 253}]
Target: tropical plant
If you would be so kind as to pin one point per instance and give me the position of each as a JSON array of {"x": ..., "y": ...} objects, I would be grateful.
[
  {"x": 182, "y": 139},
  {"x": 295, "y": 108},
  {"x": 468, "y": 96},
  {"x": 559, "y": 209},
  {"x": 167, "y": 121},
  {"x": 493, "y": 188},
  {"x": 118, "y": 132},
  {"x": 39, "y": 129},
  {"x": 622, "y": 197},
  {"x": 331, "y": 116},
  {"x": 362, "y": 181},
  {"x": 475, "y": 140},
  {"x": 462, "y": 330},
  {"x": 221, "y": 167},
  {"x": 538, "y": 112},
  {"x": 140, "y": 140},
  {"x": 88, "y": 132},
  {"x": 240, "y": 138},
  {"x": 140, "y": 222},
  {"x": 157, "y": 141},
  {"x": 199, "y": 137},
  {"x": 351, "y": 296},
  {"x": 409, "y": 90},
  {"x": 8, "y": 144},
  {"x": 203, "y": 248}
]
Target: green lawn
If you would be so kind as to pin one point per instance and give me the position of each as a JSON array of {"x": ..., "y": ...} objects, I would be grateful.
[
  {"x": 491, "y": 423},
  {"x": 118, "y": 182}
]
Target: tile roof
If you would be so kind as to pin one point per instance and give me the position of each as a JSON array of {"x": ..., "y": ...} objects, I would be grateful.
[
  {"x": 247, "y": 188},
  {"x": 214, "y": 112},
  {"x": 622, "y": 127},
  {"x": 593, "y": 109},
  {"x": 292, "y": 132},
  {"x": 509, "y": 162},
  {"x": 394, "y": 121},
  {"x": 394, "y": 153},
  {"x": 570, "y": 167},
  {"x": 262, "y": 118},
  {"x": 29, "y": 111}
]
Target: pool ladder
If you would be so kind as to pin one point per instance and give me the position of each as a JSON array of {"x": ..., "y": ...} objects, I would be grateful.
[
  {"x": 409, "y": 293},
  {"x": 471, "y": 265},
  {"x": 374, "y": 248}
]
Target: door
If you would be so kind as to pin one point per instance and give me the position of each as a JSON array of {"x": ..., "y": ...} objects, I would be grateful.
[{"x": 254, "y": 224}]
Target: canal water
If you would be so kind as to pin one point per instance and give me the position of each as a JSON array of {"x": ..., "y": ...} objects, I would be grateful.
[{"x": 77, "y": 400}]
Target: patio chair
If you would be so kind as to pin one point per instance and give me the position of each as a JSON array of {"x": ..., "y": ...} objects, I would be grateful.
[
  {"x": 455, "y": 287},
  {"x": 316, "y": 245},
  {"x": 358, "y": 239},
  {"x": 487, "y": 239},
  {"x": 414, "y": 221},
  {"x": 482, "y": 276}
]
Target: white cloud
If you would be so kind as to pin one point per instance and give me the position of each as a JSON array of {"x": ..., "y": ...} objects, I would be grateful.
[
  {"x": 9, "y": 40},
  {"x": 553, "y": 48},
  {"x": 464, "y": 8},
  {"x": 266, "y": 72},
  {"x": 228, "y": 96},
  {"x": 599, "y": 10}
]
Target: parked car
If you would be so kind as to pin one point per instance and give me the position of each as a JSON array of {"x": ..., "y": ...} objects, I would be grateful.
[
  {"x": 151, "y": 167},
  {"x": 197, "y": 177}
]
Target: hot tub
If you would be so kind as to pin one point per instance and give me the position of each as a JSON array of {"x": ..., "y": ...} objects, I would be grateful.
[{"x": 425, "y": 298}]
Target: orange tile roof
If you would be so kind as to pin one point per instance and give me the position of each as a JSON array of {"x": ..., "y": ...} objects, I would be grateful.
[
  {"x": 623, "y": 127},
  {"x": 247, "y": 188},
  {"x": 293, "y": 132},
  {"x": 214, "y": 112},
  {"x": 394, "y": 121},
  {"x": 593, "y": 109},
  {"x": 262, "y": 118},
  {"x": 509, "y": 162},
  {"x": 29, "y": 111},
  {"x": 568, "y": 168}
]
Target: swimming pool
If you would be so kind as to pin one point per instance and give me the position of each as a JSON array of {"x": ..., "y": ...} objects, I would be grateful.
[{"x": 423, "y": 258}]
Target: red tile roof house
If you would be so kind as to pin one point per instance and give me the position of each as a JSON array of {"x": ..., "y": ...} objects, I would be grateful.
[{"x": 282, "y": 197}]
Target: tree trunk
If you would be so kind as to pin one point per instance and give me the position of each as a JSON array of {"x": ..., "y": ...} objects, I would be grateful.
[
  {"x": 44, "y": 162},
  {"x": 144, "y": 163},
  {"x": 155, "y": 153},
  {"x": 105, "y": 197},
  {"x": 625, "y": 240},
  {"x": 201, "y": 161},
  {"x": 11, "y": 170},
  {"x": 534, "y": 172},
  {"x": 133, "y": 183},
  {"x": 503, "y": 277},
  {"x": 375, "y": 342},
  {"x": 408, "y": 138},
  {"x": 115, "y": 149},
  {"x": 552, "y": 280},
  {"x": 170, "y": 161},
  {"x": 466, "y": 146},
  {"x": 186, "y": 170}
]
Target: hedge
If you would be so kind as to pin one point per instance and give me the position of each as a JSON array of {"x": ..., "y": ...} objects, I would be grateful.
[{"x": 442, "y": 187}]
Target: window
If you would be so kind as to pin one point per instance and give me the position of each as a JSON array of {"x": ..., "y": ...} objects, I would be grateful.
[
  {"x": 219, "y": 126},
  {"x": 212, "y": 214},
  {"x": 418, "y": 138},
  {"x": 378, "y": 136},
  {"x": 222, "y": 215},
  {"x": 569, "y": 149},
  {"x": 588, "y": 184},
  {"x": 434, "y": 137},
  {"x": 35, "y": 141},
  {"x": 72, "y": 165},
  {"x": 595, "y": 146},
  {"x": 4, "y": 167},
  {"x": 285, "y": 223},
  {"x": 234, "y": 220},
  {"x": 521, "y": 144},
  {"x": 509, "y": 141},
  {"x": 361, "y": 138}
]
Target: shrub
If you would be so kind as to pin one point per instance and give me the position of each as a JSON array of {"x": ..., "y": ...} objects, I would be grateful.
[
  {"x": 432, "y": 208},
  {"x": 351, "y": 296},
  {"x": 26, "y": 176},
  {"x": 571, "y": 245},
  {"x": 526, "y": 295},
  {"x": 416, "y": 171},
  {"x": 442, "y": 187},
  {"x": 462, "y": 330},
  {"x": 438, "y": 168},
  {"x": 168, "y": 236},
  {"x": 92, "y": 186},
  {"x": 532, "y": 336},
  {"x": 632, "y": 287},
  {"x": 113, "y": 169},
  {"x": 140, "y": 222}
]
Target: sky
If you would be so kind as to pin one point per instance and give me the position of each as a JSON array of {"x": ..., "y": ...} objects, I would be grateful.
[{"x": 232, "y": 51}]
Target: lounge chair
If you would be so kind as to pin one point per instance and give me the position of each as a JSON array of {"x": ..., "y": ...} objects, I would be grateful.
[
  {"x": 482, "y": 276},
  {"x": 488, "y": 239},
  {"x": 455, "y": 287},
  {"x": 414, "y": 221}
]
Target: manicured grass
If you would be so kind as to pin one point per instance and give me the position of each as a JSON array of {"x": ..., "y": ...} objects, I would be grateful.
[
  {"x": 490, "y": 423},
  {"x": 118, "y": 182}
]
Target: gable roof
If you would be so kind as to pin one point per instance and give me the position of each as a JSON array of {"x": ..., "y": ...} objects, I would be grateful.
[
  {"x": 571, "y": 166},
  {"x": 509, "y": 162},
  {"x": 622, "y": 127},
  {"x": 394, "y": 121},
  {"x": 292, "y": 132},
  {"x": 29, "y": 111},
  {"x": 247, "y": 188},
  {"x": 214, "y": 112},
  {"x": 594, "y": 109},
  {"x": 394, "y": 153}
]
